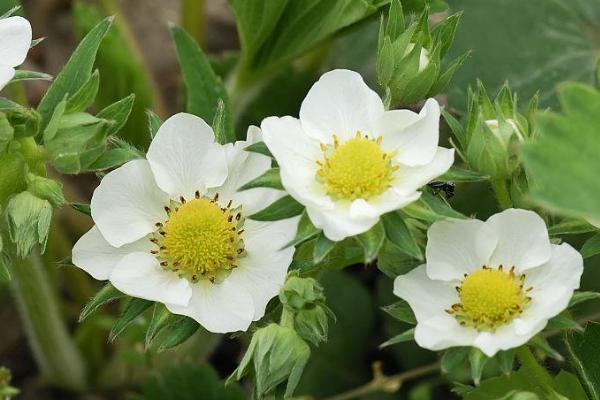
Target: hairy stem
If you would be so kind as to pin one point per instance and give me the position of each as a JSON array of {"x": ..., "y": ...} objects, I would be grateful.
[
  {"x": 57, "y": 356},
  {"x": 501, "y": 191}
]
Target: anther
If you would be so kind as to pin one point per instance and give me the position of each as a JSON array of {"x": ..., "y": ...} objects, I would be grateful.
[
  {"x": 164, "y": 264},
  {"x": 240, "y": 231},
  {"x": 168, "y": 210},
  {"x": 182, "y": 199},
  {"x": 229, "y": 203},
  {"x": 158, "y": 225},
  {"x": 216, "y": 197},
  {"x": 197, "y": 194}
]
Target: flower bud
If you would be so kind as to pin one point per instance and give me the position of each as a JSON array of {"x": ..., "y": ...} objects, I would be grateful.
[
  {"x": 47, "y": 189},
  {"x": 409, "y": 58},
  {"x": 6, "y": 133},
  {"x": 28, "y": 221},
  {"x": 277, "y": 355},
  {"x": 303, "y": 299},
  {"x": 12, "y": 175},
  {"x": 25, "y": 121}
]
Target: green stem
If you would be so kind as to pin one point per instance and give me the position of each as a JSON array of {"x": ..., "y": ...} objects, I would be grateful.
[
  {"x": 532, "y": 368},
  {"x": 57, "y": 356},
  {"x": 501, "y": 190},
  {"x": 192, "y": 19},
  {"x": 287, "y": 318}
]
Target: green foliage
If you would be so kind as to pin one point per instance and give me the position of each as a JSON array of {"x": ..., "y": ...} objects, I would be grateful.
[
  {"x": 204, "y": 89},
  {"x": 533, "y": 44},
  {"x": 28, "y": 222},
  {"x": 570, "y": 187},
  {"x": 189, "y": 382},
  {"x": 285, "y": 207},
  {"x": 105, "y": 295},
  {"x": 275, "y": 31},
  {"x": 270, "y": 179},
  {"x": 583, "y": 350},
  {"x": 121, "y": 71}
]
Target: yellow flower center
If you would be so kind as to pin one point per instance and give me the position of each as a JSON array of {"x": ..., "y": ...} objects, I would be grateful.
[
  {"x": 490, "y": 298},
  {"x": 200, "y": 240},
  {"x": 356, "y": 169}
]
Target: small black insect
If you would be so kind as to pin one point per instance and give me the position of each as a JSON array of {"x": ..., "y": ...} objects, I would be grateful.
[{"x": 446, "y": 187}]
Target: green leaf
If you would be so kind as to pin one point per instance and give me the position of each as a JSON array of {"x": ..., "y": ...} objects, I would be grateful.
[
  {"x": 591, "y": 247},
  {"x": 477, "y": 360},
  {"x": 572, "y": 186},
  {"x": 305, "y": 231},
  {"x": 398, "y": 233},
  {"x": 580, "y": 297},
  {"x": 4, "y": 272},
  {"x": 506, "y": 360},
  {"x": 204, "y": 89},
  {"x": 107, "y": 294},
  {"x": 401, "y": 311},
  {"x": 161, "y": 317},
  {"x": 322, "y": 248},
  {"x": 286, "y": 207},
  {"x": 270, "y": 179},
  {"x": 542, "y": 344},
  {"x": 275, "y": 31},
  {"x": 176, "y": 332},
  {"x": 456, "y": 174},
  {"x": 134, "y": 308},
  {"x": 260, "y": 148},
  {"x": 583, "y": 350},
  {"x": 76, "y": 72},
  {"x": 118, "y": 113},
  {"x": 401, "y": 338},
  {"x": 371, "y": 241},
  {"x": 154, "y": 122},
  {"x": 85, "y": 96},
  {"x": 569, "y": 226},
  {"x": 21, "y": 75},
  {"x": 113, "y": 158},
  {"x": 563, "y": 321},
  {"x": 453, "y": 358},
  {"x": 82, "y": 208},
  {"x": 546, "y": 55}
]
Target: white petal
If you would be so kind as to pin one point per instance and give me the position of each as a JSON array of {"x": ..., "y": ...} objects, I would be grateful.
[
  {"x": 244, "y": 166},
  {"x": 97, "y": 257},
  {"x": 297, "y": 156},
  {"x": 523, "y": 239},
  {"x": 340, "y": 103},
  {"x": 185, "y": 158},
  {"x": 6, "y": 74},
  {"x": 263, "y": 270},
  {"x": 139, "y": 275},
  {"x": 219, "y": 308},
  {"x": 414, "y": 136},
  {"x": 409, "y": 179},
  {"x": 127, "y": 204},
  {"x": 457, "y": 247},
  {"x": 554, "y": 282},
  {"x": 15, "y": 40},
  {"x": 429, "y": 299},
  {"x": 510, "y": 336},
  {"x": 337, "y": 224},
  {"x": 388, "y": 201}
]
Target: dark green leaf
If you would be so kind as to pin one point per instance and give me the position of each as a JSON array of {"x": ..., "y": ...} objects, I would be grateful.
[
  {"x": 107, "y": 294},
  {"x": 398, "y": 233},
  {"x": 591, "y": 247},
  {"x": 85, "y": 96},
  {"x": 580, "y": 297},
  {"x": 204, "y": 89},
  {"x": 270, "y": 179},
  {"x": 118, "y": 113},
  {"x": 583, "y": 350},
  {"x": 477, "y": 360},
  {"x": 161, "y": 317},
  {"x": 371, "y": 241},
  {"x": 401, "y": 311},
  {"x": 286, "y": 207},
  {"x": 506, "y": 360},
  {"x": 456, "y": 174},
  {"x": 76, "y": 72},
  {"x": 175, "y": 333},
  {"x": 322, "y": 247},
  {"x": 569, "y": 226},
  {"x": 401, "y": 338},
  {"x": 113, "y": 158},
  {"x": 134, "y": 308},
  {"x": 82, "y": 208},
  {"x": 453, "y": 358},
  {"x": 21, "y": 75},
  {"x": 260, "y": 148},
  {"x": 306, "y": 230},
  {"x": 4, "y": 272}
]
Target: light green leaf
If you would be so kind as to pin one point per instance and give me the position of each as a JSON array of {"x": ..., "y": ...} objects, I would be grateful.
[
  {"x": 580, "y": 297},
  {"x": 154, "y": 122},
  {"x": 113, "y": 158},
  {"x": 401, "y": 311},
  {"x": 4, "y": 272},
  {"x": 453, "y": 358},
  {"x": 118, "y": 113},
  {"x": 583, "y": 350},
  {"x": 572, "y": 186},
  {"x": 401, "y": 338},
  {"x": 456, "y": 174},
  {"x": 477, "y": 360},
  {"x": 203, "y": 88},
  {"x": 322, "y": 248},
  {"x": 85, "y": 96},
  {"x": 76, "y": 72},
  {"x": 286, "y": 207},
  {"x": 21, "y": 75},
  {"x": 260, "y": 148},
  {"x": 178, "y": 330}
]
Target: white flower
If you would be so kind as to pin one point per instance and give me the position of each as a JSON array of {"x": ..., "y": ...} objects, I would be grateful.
[
  {"x": 492, "y": 285},
  {"x": 172, "y": 228},
  {"x": 15, "y": 40},
  {"x": 348, "y": 160}
]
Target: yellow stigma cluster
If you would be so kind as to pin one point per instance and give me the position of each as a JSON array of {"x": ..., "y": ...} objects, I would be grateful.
[
  {"x": 356, "y": 169},
  {"x": 200, "y": 240},
  {"x": 490, "y": 298}
]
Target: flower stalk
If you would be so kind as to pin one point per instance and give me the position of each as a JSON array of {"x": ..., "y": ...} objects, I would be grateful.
[{"x": 57, "y": 356}]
